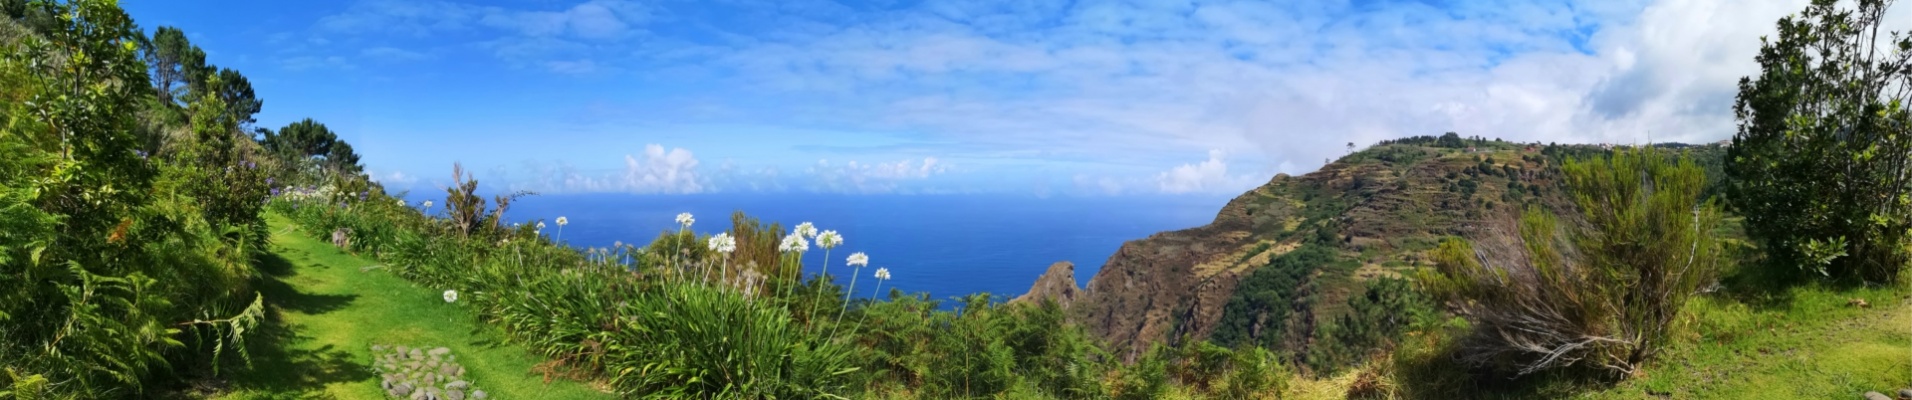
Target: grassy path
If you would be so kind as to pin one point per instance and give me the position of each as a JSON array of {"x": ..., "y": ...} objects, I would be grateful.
[{"x": 326, "y": 312}]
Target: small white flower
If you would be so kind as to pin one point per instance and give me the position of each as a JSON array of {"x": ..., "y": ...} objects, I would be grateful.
[
  {"x": 541, "y": 225},
  {"x": 806, "y": 230},
  {"x": 829, "y": 239},
  {"x": 859, "y": 259},
  {"x": 883, "y": 274},
  {"x": 401, "y": 202},
  {"x": 562, "y": 221},
  {"x": 451, "y": 296},
  {"x": 428, "y": 204},
  {"x": 794, "y": 243},
  {"x": 617, "y": 244},
  {"x": 685, "y": 220}
]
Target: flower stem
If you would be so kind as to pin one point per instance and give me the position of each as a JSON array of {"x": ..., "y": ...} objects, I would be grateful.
[
  {"x": 812, "y": 316},
  {"x": 846, "y": 300}
]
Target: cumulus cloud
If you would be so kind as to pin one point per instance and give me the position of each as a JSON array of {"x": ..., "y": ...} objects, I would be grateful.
[
  {"x": 659, "y": 171},
  {"x": 655, "y": 171},
  {"x": 1280, "y": 85},
  {"x": 1209, "y": 176},
  {"x": 1276, "y": 87}
]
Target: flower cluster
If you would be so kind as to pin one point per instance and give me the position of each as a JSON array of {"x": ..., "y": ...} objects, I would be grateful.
[
  {"x": 723, "y": 243},
  {"x": 794, "y": 243},
  {"x": 829, "y": 239},
  {"x": 883, "y": 273},
  {"x": 858, "y": 259},
  {"x": 684, "y": 220},
  {"x": 562, "y": 221}
]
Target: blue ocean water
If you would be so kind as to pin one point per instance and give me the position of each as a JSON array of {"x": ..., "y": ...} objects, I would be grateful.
[{"x": 944, "y": 245}]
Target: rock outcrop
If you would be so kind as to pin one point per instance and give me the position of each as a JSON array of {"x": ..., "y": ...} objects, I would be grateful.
[
  {"x": 1149, "y": 285},
  {"x": 1058, "y": 283}
]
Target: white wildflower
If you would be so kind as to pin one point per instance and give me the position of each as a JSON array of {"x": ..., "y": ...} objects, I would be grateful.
[
  {"x": 723, "y": 243},
  {"x": 562, "y": 221},
  {"x": 541, "y": 225},
  {"x": 402, "y": 203},
  {"x": 451, "y": 296},
  {"x": 806, "y": 230},
  {"x": 883, "y": 274},
  {"x": 794, "y": 243},
  {"x": 685, "y": 220},
  {"x": 829, "y": 239},
  {"x": 858, "y": 259},
  {"x": 428, "y": 204}
]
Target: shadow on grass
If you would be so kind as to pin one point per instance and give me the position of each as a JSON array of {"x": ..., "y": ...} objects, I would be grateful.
[
  {"x": 1441, "y": 374},
  {"x": 284, "y": 365},
  {"x": 283, "y": 296}
]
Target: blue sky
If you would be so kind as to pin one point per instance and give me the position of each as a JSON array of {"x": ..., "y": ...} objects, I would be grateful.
[{"x": 922, "y": 97}]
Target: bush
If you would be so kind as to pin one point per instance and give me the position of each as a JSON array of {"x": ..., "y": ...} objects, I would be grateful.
[
  {"x": 1603, "y": 295},
  {"x": 1818, "y": 166}
]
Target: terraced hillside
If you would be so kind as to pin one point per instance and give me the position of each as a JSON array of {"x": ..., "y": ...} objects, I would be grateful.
[{"x": 1374, "y": 214}]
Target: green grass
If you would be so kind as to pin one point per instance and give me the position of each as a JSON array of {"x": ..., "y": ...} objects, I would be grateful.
[
  {"x": 1807, "y": 343},
  {"x": 1799, "y": 342},
  {"x": 325, "y": 312}
]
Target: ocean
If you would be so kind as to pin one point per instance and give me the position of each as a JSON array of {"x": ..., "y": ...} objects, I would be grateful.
[{"x": 943, "y": 245}]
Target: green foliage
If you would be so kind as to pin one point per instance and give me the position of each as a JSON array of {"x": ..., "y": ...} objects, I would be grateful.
[
  {"x": 1203, "y": 369},
  {"x": 1605, "y": 296},
  {"x": 1376, "y": 318},
  {"x": 1825, "y": 141},
  {"x": 115, "y": 267},
  {"x": 1258, "y": 314}
]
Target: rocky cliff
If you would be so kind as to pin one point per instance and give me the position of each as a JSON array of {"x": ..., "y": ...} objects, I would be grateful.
[{"x": 1380, "y": 211}]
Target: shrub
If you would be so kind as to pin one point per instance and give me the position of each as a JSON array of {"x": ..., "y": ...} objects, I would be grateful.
[
  {"x": 1257, "y": 314},
  {"x": 1818, "y": 167},
  {"x": 1604, "y": 294}
]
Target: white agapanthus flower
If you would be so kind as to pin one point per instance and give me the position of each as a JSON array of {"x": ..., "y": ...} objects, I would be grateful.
[
  {"x": 685, "y": 220},
  {"x": 541, "y": 225},
  {"x": 451, "y": 296},
  {"x": 806, "y": 230},
  {"x": 829, "y": 239},
  {"x": 723, "y": 243},
  {"x": 427, "y": 204},
  {"x": 402, "y": 203},
  {"x": 562, "y": 221},
  {"x": 883, "y": 274},
  {"x": 794, "y": 243},
  {"x": 858, "y": 259}
]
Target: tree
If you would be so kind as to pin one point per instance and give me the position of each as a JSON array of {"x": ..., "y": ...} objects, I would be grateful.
[
  {"x": 1602, "y": 293},
  {"x": 174, "y": 61},
  {"x": 1822, "y": 159},
  {"x": 341, "y": 159},
  {"x": 236, "y": 91},
  {"x": 303, "y": 139},
  {"x": 1450, "y": 140}
]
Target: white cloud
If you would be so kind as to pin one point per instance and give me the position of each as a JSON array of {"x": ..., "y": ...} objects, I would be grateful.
[
  {"x": 1281, "y": 85},
  {"x": 880, "y": 177},
  {"x": 1209, "y": 176},
  {"x": 659, "y": 171},
  {"x": 655, "y": 171}
]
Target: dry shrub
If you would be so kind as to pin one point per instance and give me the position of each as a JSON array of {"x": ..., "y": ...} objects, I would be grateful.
[{"x": 1600, "y": 293}]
